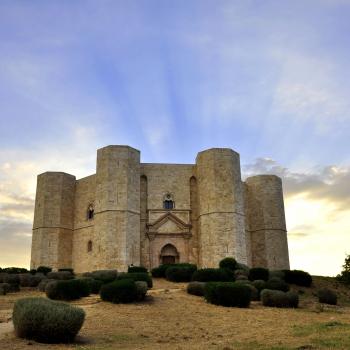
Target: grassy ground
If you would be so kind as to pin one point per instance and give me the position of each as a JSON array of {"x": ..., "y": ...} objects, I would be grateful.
[{"x": 172, "y": 319}]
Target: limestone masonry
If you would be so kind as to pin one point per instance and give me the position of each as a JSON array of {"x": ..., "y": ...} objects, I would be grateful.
[{"x": 147, "y": 214}]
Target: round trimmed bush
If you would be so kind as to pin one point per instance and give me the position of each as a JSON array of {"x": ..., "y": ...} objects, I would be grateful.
[
  {"x": 159, "y": 272},
  {"x": 277, "y": 274},
  {"x": 277, "y": 298},
  {"x": 120, "y": 291},
  {"x": 259, "y": 285},
  {"x": 241, "y": 273},
  {"x": 196, "y": 288},
  {"x": 42, "y": 285},
  {"x": 133, "y": 269},
  {"x": 141, "y": 290},
  {"x": 228, "y": 263},
  {"x": 60, "y": 275},
  {"x": 13, "y": 281},
  {"x": 67, "y": 289},
  {"x": 137, "y": 276},
  {"x": 258, "y": 273},
  {"x": 2, "y": 277},
  {"x": 327, "y": 296},
  {"x": 94, "y": 285},
  {"x": 47, "y": 321},
  {"x": 277, "y": 284},
  {"x": 105, "y": 276},
  {"x": 14, "y": 270},
  {"x": 241, "y": 277},
  {"x": 44, "y": 269},
  {"x": 179, "y": 273},
  {"x": 29, "y": 280},
  {"x": 298, "y": 277},
  {"x": 227, "y": 294},
  {"x": 212, "y": 275},
  {"x": 68, "y": 269}
]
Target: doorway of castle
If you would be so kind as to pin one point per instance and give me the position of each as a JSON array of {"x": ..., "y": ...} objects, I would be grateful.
[{"x": 169, "y": 254}]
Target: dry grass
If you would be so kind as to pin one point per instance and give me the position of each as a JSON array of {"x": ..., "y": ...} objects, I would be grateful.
[{"x": 172, "y": 319}]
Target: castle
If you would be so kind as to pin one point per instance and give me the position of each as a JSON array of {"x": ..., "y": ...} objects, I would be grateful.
[{"x": 148, "y": 214}]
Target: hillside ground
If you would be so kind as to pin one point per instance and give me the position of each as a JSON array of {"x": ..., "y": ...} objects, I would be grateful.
[{"x": 171, "y": 319}]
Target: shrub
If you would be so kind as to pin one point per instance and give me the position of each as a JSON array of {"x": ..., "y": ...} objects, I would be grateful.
[
  {"x": 141, "y": 290},
  {"x": 255, "y": 295},
  {"x": 137, "y": 276},
  {"x": 2, "y": 291},
  {"x": 277, "y": 274},
  {"x": 241, "y": 277},
  {"x": 67, "y": 289},
  {"x": 14, "y": 270},
  {"x": 212, "y": 275},
  {"x": 68, "y": 269},
  {"x": 2, "y": 277},
  {"x": 47, "y": 321},
  {"x": 277, "y": 284},
  {"x": 259, "y": 285},
  {"x": 60, "y": 275},
  {"x": 327, "y": 296},
  {"x": 227, "y": 294},
  {"x": 105, "y": 276},
  {"x": 32, "y": 271},
  {"x": 133, "y": 269},
  {"x": 13, "y": 281},
  {"x": 258, "y": 273},
  {"x": 179, "y": 273},
  {"x": 120, "y": 291},
  {"x": 159, "y": 272},
  {"x": 344, "y": 276},
  {"x": 29, "y": 280},
  {"x": 298, "y": 277},
  {"x": 228, "y": 263},
  {"x": 277, "y": 298},
  {"x": 43, "y": 283},
  {"x": 44, "y": 269},
  {"x": 94, "y": 285},
  {"x": 241, "y": 273},
  {"x": 243, "y": 267},
  {"x": 5, "y": 287},
  {"x": 196, "y": 288}
]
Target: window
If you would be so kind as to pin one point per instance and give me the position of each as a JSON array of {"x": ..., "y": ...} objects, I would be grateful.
[
  {"x": 89, "y": 246},
  {"x": 168, "y": 202},
  {"x": 90, "y": 212}
]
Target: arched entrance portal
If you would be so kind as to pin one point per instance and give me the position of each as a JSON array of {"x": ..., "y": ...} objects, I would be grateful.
[{"x": 169, "y": 255}]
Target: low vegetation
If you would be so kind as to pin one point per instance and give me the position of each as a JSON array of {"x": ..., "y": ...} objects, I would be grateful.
[{"x": 122, "y": 291}]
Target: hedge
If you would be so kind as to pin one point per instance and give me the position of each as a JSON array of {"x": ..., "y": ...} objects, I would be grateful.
[
  {"x": 60, "y": 275},
  {"x": 277, "y": 298},
  {"x": 258, "y": 273},
  {"x": 122, "y": 291},
  {"x": 67, "y": 289},
  {"x": 277, "y": 284},
  {"x": 159, "y": 272},
  {"x": 47, "y": 321},
  {"x": 29, "y": 280},
  {"x": 137, "y": 276},
  {"x": 179, "y": 273},
  {"x": 105, "y": 276},
  {"x": 327, "y": 296},
  {"x": 227, "y": 294},
  {"x": 141, "y": 290},
  {"x": 196, "y": 288},
  {"x": 298, "y": 277},
  {"x": 133, "y": 269},
  {"x": 212, "y": 275},
  {"x": 44, "y": 269},
  {"x": 228, "y": 263}
]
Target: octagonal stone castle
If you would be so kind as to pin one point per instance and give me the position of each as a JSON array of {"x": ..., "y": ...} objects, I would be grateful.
[{"x": 148, "y": 214}]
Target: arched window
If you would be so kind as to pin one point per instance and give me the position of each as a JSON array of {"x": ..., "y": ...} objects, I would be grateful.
[
  {"x": 168, "y": 202},
  {"x": 89, "y": 246},
  {"x": 90, "y": 212}
]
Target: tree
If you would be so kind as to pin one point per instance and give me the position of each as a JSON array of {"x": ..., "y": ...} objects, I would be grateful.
[{"x": 345, "y": 274}]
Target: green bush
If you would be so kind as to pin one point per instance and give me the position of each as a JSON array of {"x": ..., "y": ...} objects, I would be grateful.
[
  {"x": 241, "y": 277},
  {"x": 2, "y": 277},
  {"x": 228, "y": 263},
  {"x": 327, "y": 296},
  {"x": 4, "y": 288},
  {"x": 277, "y": 284},
  {"x": 258, "y": 273},
  {"x": 133, "y": 269},
  {"x": 259, "y": 285},
  {"x": 178, "y": 273},
  {"x": 196, "y": 288},
  {"x": 120, "y": 291},
  {"x": 255, "y": 295},
  {"x": 277, "y": 298},
  {"x": 137, "y": 276},
  {"x": 47, "y": 321},
  {"x": 60, "y": 275},
  {"x": 44, "y": 269},
  {"x": 14, "y": 270},
  {"x": 243, "y": 267},
  {"x": 13, "y": 281},
  {"x": 29, "y": 280},
  {"x": 227, "y": 294},
  {"x": 67, "y": 289},
  {"x": 277, "y": 274},
  {"x": 105, "y": 276},
  {"x": 43, "y": 283},
  {"x": 159, "y": 272},
  {"x": 32, "y": 271},
  {"x": 212, "y": 275},
  {"x": 298, "y": 277},
  {"x": 94, "y": 285},
  {"x": 68, "y": 269},
  {"x": 141, "y": 290},
  {"x": 239, "y": 273}
]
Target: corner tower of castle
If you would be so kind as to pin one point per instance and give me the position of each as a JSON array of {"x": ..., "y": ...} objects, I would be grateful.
[{"x": 143, "y": 213}]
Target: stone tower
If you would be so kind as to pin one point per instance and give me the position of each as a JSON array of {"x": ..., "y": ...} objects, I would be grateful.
[{"x": 145, "y": 213}]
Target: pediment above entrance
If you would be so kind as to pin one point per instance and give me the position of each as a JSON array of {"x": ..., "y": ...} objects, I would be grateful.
[{"x": 169, "y": 224}]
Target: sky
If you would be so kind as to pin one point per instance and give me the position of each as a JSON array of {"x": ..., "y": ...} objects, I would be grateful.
[{"x": 269, "y": 79}]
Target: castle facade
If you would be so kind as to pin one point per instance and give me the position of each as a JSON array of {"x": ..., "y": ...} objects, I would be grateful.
[{"x": 148, "y": 214}]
